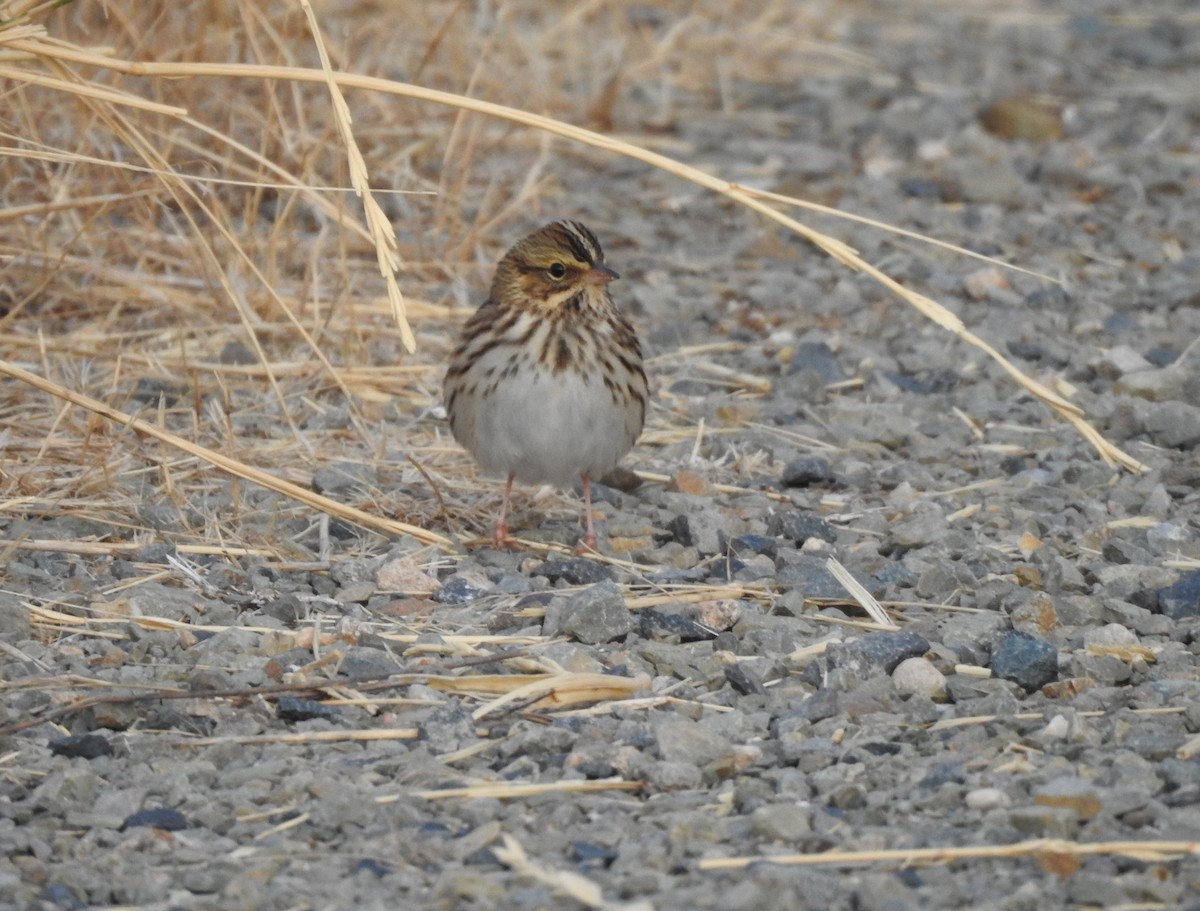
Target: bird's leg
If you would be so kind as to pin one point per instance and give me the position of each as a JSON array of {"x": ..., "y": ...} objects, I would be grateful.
[
  {"x": 589, "y": 536},
  {"x": 501, "y": 532}
]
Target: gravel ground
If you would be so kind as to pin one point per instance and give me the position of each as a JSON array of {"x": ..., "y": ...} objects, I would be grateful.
[{"x": 1042, "y": 681}]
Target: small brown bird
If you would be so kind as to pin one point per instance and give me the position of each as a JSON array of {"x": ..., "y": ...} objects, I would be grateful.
[{"x": 546, "y": 383}]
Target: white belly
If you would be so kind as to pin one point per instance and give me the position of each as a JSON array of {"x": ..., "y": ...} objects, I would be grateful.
[{"x": 547, "y": 428}]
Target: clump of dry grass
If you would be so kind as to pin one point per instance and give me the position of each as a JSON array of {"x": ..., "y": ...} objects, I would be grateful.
[
  {"x": 182, "y": 251},
  {"x": 181, "y": 258}
]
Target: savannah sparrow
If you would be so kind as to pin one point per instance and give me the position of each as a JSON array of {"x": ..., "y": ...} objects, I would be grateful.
[{"x": 546, "y": 383}]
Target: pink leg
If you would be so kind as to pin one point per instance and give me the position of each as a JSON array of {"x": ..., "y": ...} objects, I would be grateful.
[
  {"x": 501, "y": 531},
  {"x": 589, "y": 536}
]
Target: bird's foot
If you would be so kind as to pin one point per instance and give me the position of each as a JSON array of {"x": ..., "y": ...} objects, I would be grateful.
[{"x": 500, "y": 538}]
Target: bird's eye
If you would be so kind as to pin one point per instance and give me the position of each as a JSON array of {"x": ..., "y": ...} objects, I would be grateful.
[{"x": 557, "y": 271}]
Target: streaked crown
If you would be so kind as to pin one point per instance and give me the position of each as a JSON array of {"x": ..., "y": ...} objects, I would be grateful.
[{"x": 550, "y": 266}]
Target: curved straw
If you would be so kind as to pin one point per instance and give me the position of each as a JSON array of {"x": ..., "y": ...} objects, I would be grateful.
[{"x": 232, "y": 466}]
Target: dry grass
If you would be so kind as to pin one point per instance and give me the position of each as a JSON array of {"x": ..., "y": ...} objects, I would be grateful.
[
  {"x": 1055, "y": 855},
  {"x": 187, "y": 285},
  {"x": 178, "y": 258}
]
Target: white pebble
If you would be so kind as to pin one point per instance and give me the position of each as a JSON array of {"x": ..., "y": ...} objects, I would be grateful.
[
  {"x": 1112, "y": 634},
  {"x": 917, "y": 677},
  {"x": 1057, "y": 728},
  {"x": 983, "y": 799}
]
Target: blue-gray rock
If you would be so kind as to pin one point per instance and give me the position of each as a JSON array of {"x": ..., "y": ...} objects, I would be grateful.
[
  {"x": 876, "y": 653},
  {"x": 594, "y": 615},
  {"x": 819, "y": 357},
  {"x": 343, "y": 476},
  {"x": 576, "y": 571},
  {"x": 360, "y": 661},
  {"x": 688, "y": 576},
  {"x": 286, "y": 608},
  {"x": 1173, "y": 424},
  {"x": 591, "y": 856},
  {"x": 81, "y": 746},
  {"x": 783, "y": 822},
  {"x": 704, "y": 530},
  {"x": 673, "y": 776},
  {"x": 750, "y": 569},
  {"x": 150, "y": 391},
  {"x": 15, "y": 623},
  {"x": 749, "y": 545},
  {"x": 811, "y": 754},
  {"x": 344, "y": 572},
  {"x": 941, "y": 579},
  {"x": 806, "y": 472},
  {"x": 158, "y": 553},
  {"x": 159, "y": 818},
  {"x": 1022, "y": 348},
  {"x": 896, "y": 574},
  {"x": 799, "y": 526},
  {"x": 1120, "y": 551},
  {"x": 59, "y": 895},
  {"x": 809, "y": 575},
  {"x": 376, "y": 868},
  {"x": 1182, "y": 599},
  {"x": 681, "y": 740},
  {"x": 943, "y": 773},
  {"x": 744, "y": 680},
  {"x": 656, "y": 624},
  {"x": 447, "y": 727},
  {"x": 1026, "y": 661},
  {"x": 1180, "y": 773},
  {"x": 237, "y": 353},
  {"x": 355, "y": 592},
  {"x": 459, "y": 590},
  {"x": 289, "y": 708},
  {"x": 926, "y": 382},
  {"x": 822, "y": 704},
  {"x": 918, "y": 530}
]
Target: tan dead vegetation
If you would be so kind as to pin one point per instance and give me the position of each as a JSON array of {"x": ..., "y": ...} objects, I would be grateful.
[
  {"x": 183, "y": 249},
  {"x": 182, "y": 246},
  {"x": 196, "y": 313}
]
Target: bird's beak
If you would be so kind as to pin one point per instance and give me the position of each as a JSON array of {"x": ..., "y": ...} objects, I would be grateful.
[{"x": 599, "y": 275}]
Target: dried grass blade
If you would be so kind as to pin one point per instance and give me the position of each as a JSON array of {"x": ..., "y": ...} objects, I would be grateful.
[
  {"x": 572, "y": 885},
  {"x": 561, "y": 690},
  {"x": 891, "y": 229},
  {"x": 387, "y": 251},
  {"x": 1149, "y": 851},
  {"x": 229, "y": 465},
  {"x": 370, "y": 734},
  {"x": 87, "y": 90},
  {"x": 114, "y": 548},
  {"x": 863, "y": 597},
  {"x": 502, "y": 791}
]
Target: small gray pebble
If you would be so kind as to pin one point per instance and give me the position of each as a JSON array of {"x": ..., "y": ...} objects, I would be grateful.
[
  {"x": 1181, "y": 600},
  {"x": 798, "y": 526},
  {"x": 1028, "y": 662},
  {"x": 806, "y": 472},
  {"x": 576, "y": 571},
  {"x": 596, "y": 614},
  {"x": 876, "y": 653}
]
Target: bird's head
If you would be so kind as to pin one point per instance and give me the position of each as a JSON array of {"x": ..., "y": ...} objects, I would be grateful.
[{"x": 551, "y": 266}]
